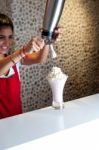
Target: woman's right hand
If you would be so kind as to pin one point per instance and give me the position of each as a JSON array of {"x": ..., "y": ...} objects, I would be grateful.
[{"x": 35, "y": 44}]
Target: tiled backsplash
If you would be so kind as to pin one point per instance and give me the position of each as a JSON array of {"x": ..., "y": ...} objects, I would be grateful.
[{"x": 78, "y": 50}]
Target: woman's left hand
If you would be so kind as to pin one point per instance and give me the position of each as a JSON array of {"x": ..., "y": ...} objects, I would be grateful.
[{"x": 56, "y": 35}]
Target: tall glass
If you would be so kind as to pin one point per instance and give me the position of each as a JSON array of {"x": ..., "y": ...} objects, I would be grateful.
[{"x": 57, "y": 88}]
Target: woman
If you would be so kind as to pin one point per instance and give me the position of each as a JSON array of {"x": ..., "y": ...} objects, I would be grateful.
[{"x": 10, "y": 102}]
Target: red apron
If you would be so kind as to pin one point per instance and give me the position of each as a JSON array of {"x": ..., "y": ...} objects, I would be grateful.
[{"x": 10, "y": 101}]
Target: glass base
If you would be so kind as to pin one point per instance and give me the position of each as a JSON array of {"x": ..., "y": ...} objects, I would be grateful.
[{"x": 58, "y": 105}]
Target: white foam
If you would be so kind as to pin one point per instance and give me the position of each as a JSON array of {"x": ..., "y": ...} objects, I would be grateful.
[{"x": 56, "y": 73}]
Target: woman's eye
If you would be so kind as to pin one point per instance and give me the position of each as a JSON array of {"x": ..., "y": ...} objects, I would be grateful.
[
  {"x": 2, "y": 37},
  {"x": 11, "y": 37}
]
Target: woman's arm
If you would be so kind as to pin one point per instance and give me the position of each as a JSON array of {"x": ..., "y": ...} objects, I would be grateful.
[
  {"x": 7, "y": 62},
  {"x": 36, "y": 45}
]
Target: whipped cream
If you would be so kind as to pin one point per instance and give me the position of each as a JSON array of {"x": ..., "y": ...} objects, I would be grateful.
[{"x": 56, "y": 73}]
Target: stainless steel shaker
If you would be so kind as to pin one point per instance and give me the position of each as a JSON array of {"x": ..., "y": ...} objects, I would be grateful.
[{"x": 52, "y": 15}]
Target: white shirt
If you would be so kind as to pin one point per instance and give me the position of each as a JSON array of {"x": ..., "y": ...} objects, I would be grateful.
[{"x": 11, "y": 71}]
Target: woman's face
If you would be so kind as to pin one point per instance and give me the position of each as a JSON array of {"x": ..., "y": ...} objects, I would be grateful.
[{"x": 6, "y": 40}]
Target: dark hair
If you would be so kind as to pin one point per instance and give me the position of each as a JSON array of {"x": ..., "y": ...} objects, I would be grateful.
[{"x": 5, "y": 21}]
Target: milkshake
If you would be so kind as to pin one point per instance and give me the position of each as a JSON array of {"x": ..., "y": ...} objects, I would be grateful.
[{"x": 57, "y": 79}]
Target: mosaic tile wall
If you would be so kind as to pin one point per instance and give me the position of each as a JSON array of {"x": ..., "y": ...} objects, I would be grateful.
[{"x": 78, "y": 50}]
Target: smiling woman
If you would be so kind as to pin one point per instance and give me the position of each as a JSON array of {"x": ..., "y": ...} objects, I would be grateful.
[{"x": 10, "y": 101}]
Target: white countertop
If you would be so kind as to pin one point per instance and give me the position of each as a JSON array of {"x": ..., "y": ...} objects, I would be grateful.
[{"x": 23, "y": 132}]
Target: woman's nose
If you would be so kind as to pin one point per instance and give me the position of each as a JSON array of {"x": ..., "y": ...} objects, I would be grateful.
[{"x": 7, "y": 42}]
